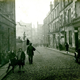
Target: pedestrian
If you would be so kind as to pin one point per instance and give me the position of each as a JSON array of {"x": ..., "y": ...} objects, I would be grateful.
[
  {"x": 59, "y": 46},
  {"x": 30, "y": 52},
  {"x": 21, "y": 59},
  {"x": 77, "y": 55},
  {"x": 67, "y": 47},
  {"x": 12, "y": 60}
]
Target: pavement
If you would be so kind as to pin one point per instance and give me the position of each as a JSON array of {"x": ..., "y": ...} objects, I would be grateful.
[
  {"x": 64, "y": 52},
  {"x": 3, "y": 69},
  {"x": 3, "y": 73}
]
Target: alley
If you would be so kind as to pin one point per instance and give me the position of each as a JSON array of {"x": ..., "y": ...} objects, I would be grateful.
[{"x": 48, "y": 65}]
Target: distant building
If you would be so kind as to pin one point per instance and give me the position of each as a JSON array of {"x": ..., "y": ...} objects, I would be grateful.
[
  {"x": 40, "y": 34},
  {"x": 24, "y": 29},
  {"x": 19, "y": 43},
  {"x": 34, "y": 35}
]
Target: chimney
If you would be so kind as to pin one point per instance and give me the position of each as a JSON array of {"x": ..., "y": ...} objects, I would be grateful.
[
  {"x": 56, "y": 2},
  {"x": 51, "y": 6}
]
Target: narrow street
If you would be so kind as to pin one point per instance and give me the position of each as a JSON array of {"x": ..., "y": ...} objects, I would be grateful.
[{"x": 48, "y": 65}]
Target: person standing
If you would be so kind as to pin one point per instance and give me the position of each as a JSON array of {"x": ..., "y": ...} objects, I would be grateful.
[
  {"x": 30, "y": 52},
  {"x": 21, "y": 59},
  {"x": 67, "y": 47},
  {"x": 77, "y": 55}
]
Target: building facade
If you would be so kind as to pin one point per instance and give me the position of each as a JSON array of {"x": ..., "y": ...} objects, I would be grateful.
[
  {"x": 45, "y": 32},
  {"x": 7, "y": 26},
  {"x": 60, "y": 23}
]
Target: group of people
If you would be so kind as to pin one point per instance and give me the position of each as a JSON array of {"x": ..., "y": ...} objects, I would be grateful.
[{"x": 19, "y": 58}]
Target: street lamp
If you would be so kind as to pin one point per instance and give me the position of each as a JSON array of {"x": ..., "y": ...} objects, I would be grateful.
[{"x": 24, "y": 36}]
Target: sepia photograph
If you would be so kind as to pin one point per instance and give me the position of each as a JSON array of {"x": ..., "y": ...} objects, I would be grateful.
[{"x": 39, "y": 39}]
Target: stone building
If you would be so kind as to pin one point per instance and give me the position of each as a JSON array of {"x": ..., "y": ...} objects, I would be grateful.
[
  {"x": 45, "y": 32},
  {"x": 61, "y": 20},
  {"x": 40, "y": 34},
  {"x": 76, "y": 24},
  {"x": 7, "y": 26}
]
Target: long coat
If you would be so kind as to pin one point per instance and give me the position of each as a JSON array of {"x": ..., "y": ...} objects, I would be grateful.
[
  {"x": 21, "y": 55},
  {"x": 21, "y": 58},
  {"x": 12, "y": 58},
  {"x": 30, "y": 50},
  {"x": 67, "y": 46}
]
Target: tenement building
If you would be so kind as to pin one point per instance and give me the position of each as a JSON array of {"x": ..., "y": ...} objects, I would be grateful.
[
  {"x": 45, "y": 32},
  {"x": 7, "y": 26},
  {"x": 63, "y": 23}
]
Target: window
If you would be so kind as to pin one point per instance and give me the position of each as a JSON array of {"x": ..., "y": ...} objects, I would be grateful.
[
  {"x": 61, "y": 20},
  {"x": 69, "y": 15},
  {"x": 60, "y": 5},
  {"x": 70, "y": 37},
  {"x": 51, "y": 16},
  {"x": 65, "y": 36},
  {"x": 53, "y": 27},
  {"x": 55, "y": 13},
  {"x": 58, "y": 24},
  {"x": 8, "y": 38},
  {"x": 64, "y": 17},
  {"x": 58, "y": 11}
]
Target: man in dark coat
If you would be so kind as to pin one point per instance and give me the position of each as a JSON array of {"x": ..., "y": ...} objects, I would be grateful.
[
  {"x": 77, "y": 55},
  {"x": 21, "y": 59},
  {"x": 30, "y": 52},
  {"x": 67, "y": 47},
  {"x": 12, "y": 60}
]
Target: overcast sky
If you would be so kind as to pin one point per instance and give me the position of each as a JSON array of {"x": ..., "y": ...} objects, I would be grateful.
[{"x": 32, "y": 10}]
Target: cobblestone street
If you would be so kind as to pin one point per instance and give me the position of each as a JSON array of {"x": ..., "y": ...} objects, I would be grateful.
[{"x": 48, "y": 65}]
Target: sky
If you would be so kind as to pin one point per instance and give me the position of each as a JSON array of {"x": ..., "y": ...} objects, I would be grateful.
[{"x": 32, "y": 10}]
